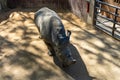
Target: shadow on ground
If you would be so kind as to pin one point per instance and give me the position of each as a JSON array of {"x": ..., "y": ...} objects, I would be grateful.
[
  {"x": 23, "y": 64},
  {"x": 35, "y": 66},
  {"x": 77, "y": 71}
]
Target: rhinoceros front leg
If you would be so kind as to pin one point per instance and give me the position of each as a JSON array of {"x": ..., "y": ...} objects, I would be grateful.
[{"x": 51, "y": 51}]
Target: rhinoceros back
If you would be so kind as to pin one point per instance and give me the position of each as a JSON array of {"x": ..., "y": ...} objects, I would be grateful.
[
  {"x": 50, "y": 26},
  {"x": 42, "y": 20}
]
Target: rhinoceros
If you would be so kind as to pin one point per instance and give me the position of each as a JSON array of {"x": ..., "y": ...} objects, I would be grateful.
[{"x": 53, "y": 33}]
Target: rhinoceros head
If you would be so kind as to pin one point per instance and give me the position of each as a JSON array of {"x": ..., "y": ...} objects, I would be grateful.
[{"x": 63, "y": 51}]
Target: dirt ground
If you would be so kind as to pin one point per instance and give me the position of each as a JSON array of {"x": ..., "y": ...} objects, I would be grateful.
[{"x": 23, "y": 56}]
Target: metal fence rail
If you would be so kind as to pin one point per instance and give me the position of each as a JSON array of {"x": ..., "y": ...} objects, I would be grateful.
[{"x": 99, "y": 19}]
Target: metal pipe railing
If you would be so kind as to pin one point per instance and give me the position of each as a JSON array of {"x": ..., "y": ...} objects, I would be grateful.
[
  {"x": 114, "y": 14},
  {"x": 104, "y": 3},
  {"x": 108, "y": 12}
]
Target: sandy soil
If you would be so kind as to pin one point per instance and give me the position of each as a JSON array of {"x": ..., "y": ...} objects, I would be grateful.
[{"x": 23, "y": 56}]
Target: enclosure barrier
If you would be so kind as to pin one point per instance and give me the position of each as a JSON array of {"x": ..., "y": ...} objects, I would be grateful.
[{"x": 97, "y": 15}]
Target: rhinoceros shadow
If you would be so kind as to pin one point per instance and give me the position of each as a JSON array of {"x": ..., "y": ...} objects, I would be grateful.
[{"x": 77, "y": 71}]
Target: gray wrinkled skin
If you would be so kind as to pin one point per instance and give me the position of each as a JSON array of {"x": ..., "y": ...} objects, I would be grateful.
[{"x": 53, "y": 33}]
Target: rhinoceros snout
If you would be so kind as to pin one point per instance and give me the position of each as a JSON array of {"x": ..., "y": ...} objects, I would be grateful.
[
  {"x": 69, "y": 62},
  {"x": 73, "y": 61}
]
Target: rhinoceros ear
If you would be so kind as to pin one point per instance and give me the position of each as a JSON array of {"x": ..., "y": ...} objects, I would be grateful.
[{"x": 68, "y": 34}]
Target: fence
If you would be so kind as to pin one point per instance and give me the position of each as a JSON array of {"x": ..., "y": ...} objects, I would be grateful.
[{"x": 109, "y": 25}]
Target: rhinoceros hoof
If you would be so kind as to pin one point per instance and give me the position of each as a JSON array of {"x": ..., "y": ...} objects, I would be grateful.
[{"x": 51, "y": 54}]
